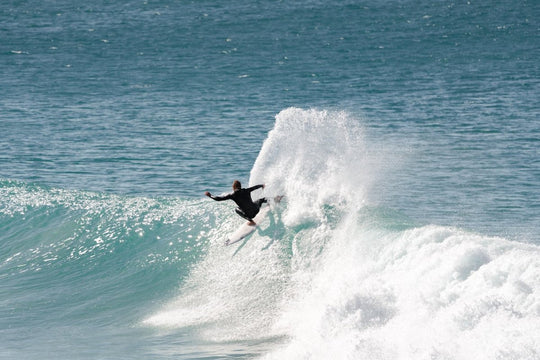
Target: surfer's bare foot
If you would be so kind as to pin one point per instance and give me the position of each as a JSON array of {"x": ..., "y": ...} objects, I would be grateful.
[{"x": 251, "y": 223}]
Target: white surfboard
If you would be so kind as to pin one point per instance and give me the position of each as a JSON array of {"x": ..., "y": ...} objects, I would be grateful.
[{"x": 245, "y": 229}]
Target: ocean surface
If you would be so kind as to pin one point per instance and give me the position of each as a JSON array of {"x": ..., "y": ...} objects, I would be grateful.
[{"x": 404, "y": 135}]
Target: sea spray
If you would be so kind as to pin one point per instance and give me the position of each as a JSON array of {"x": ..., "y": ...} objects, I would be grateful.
[{"x": 316, "y": 158}]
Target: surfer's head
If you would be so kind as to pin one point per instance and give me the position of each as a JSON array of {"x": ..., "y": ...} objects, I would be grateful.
[{"x": 236, "y": 185}]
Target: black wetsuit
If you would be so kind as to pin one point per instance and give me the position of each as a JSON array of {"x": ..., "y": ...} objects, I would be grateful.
[{"x": 242, "y": 197}]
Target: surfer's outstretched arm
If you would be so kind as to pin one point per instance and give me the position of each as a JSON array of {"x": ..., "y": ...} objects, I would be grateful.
[
  {"x": 218, "y": 198},
  {"x": 250, "y": 189}
]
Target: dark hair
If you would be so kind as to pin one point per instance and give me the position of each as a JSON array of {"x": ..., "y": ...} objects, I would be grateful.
[{"x": 236, "y": 185}]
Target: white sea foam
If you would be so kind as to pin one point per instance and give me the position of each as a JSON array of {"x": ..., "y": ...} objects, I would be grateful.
[{"x": 425, "y": 293}]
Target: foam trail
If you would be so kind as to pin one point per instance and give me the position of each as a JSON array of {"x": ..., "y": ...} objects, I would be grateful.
[{"x": 228, "y": 297}]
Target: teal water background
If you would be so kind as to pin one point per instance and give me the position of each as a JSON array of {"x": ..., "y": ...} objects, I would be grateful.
[{"x": 115, "y": 117}]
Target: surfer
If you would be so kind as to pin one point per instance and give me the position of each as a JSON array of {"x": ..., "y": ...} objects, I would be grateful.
[{"x": 247, "y": 208}]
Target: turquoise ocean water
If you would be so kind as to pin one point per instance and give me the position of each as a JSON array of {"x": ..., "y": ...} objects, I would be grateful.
[{"x": 403, "y": 134}]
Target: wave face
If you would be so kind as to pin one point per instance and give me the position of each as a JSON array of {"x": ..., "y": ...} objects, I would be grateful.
[
  {"x": 82, "y": 268},
  {"x": 331, "y": 276}
]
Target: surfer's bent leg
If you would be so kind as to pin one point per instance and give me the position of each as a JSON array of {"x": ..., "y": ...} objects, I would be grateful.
[
  {"x": 242, "y": 214},
  {"x": 260, "y": 202}
]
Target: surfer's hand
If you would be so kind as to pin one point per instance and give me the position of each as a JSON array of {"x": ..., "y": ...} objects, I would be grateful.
[{"x": 207, "y": 194}]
